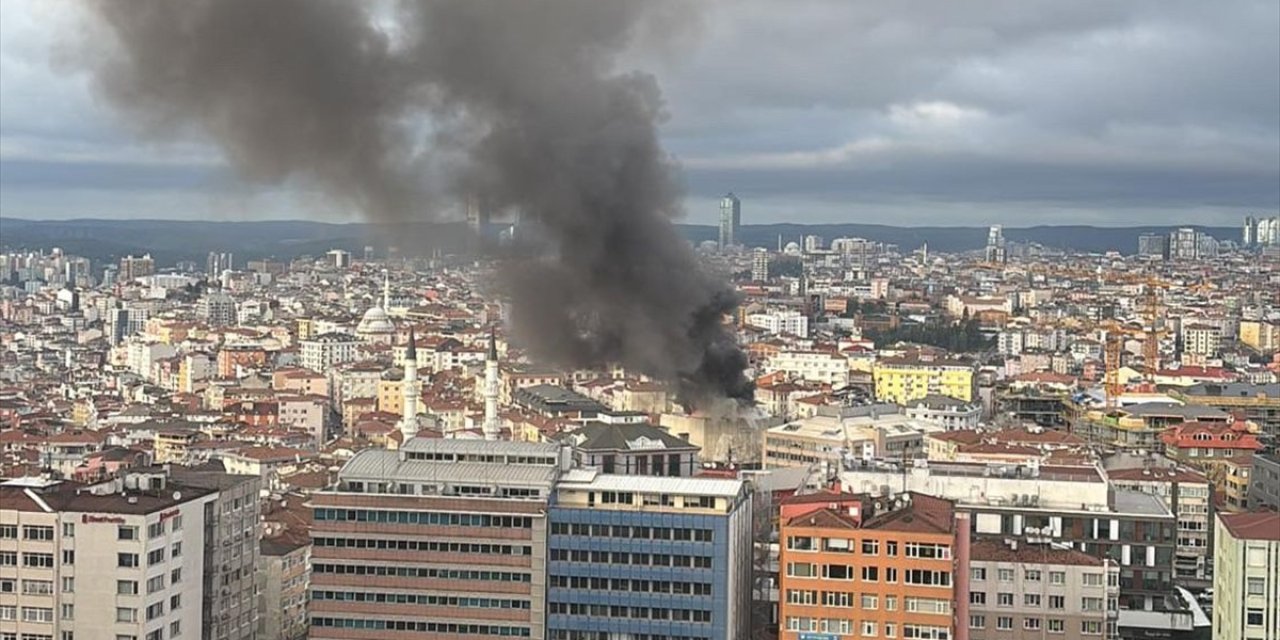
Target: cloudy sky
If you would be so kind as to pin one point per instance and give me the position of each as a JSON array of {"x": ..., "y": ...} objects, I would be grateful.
[{"x": 1020, "y": 112}]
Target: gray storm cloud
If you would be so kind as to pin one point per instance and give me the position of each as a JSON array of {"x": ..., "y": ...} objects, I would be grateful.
[{"x": 396, "y": 115}]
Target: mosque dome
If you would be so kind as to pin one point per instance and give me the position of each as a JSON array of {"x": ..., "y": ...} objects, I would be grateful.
[{"x": 375, "y": 320}]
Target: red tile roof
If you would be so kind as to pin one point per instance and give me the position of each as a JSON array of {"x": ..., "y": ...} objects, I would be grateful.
[{"x": 1253, "y": 526}]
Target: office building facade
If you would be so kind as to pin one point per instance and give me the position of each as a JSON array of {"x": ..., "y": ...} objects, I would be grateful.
[{"x": 655, "y": 557}]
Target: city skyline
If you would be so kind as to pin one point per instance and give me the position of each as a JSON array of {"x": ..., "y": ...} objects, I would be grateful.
[{"x": 982, "y": 117}]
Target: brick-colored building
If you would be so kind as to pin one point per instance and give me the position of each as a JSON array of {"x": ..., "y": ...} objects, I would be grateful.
[{"x": 879, "y": 568}]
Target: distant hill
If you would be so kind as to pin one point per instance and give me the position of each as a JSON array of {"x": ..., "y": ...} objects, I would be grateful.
[{"x": 169, "y": 241}]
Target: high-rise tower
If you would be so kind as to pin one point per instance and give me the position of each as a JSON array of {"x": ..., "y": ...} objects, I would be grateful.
[
  {"x": 730, "y": 220},
  {"x": 491, "y": 427}
]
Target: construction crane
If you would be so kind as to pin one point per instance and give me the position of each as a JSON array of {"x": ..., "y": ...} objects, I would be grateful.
[
  {"x": 1114, "y": 348},
  {"x": 1152, "y": 309}
]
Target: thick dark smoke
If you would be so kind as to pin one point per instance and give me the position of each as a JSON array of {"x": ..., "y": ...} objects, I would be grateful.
[{"x": 517, "y": 101}]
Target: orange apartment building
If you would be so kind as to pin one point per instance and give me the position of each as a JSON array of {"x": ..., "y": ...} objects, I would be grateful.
[{"x": 853, "y": 566}]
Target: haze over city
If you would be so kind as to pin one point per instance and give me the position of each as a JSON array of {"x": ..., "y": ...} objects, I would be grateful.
[
  {"x": 639, "y": 320},
  {"x": 915, "y": 114}
]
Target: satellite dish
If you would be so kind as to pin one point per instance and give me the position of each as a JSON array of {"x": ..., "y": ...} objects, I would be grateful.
[{"x": 177, "y": 495}]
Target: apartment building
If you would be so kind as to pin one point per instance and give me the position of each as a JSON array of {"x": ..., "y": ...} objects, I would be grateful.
[
  {"x": 1188, "y": 495},
  {"x": 1075, "y": 506},
  {"x": 1019, "y": 589},
  {"x": 284, "y": 578},
  {"x": 905, "y": 379},
  {"x": 1246, "y": 577},
  {"x": 437, "y": 539},
  {"x": 649, "y": 557},
  {"x": 116, "y": 561},
  {"x": 872, "y": 567},
  {"x": 231, "y": 559},
  {"x": 825, "y": 439}
]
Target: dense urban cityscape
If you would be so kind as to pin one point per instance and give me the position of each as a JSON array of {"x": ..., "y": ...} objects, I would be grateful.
[
  {"x": 1013, "y": 439},
  {"x": 639, "y": 320}
]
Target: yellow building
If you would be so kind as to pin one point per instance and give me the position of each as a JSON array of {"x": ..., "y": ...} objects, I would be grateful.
[
  {"x": 306, "y": 329},
  {"x": 902, "y": 380},
  {"x": 1263, "y": 336},
  {"x": 391, "y": 396}
]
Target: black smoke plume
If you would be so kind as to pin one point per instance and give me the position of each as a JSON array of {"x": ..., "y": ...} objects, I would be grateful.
[{"x": 392, "y": 110}]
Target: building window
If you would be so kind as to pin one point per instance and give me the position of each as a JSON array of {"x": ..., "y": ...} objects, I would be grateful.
[
  {"x": 38, "y": 560},
  {"x": 869, "y": 629},
  {"x": 127, "y": 560},
  {"x": 870, "y": 602},
  {"x": 1256, "y": 587},
  {"x": 1091, "y": 604},
  {"x": 837, "y": 571},
  {"x": 1253, "y": 617},
  {"x": 126, "y": 614},
  {"x": 870, "y": 547},
  {"x": 68, "y": 556},
  {"x": 870, "y": 574},
  {"x": 37, "y": 614},
  {"x": 1031, "y": 624},
  {"x": 175, "y": 603},
  {"x": 127, "y": 587},
  {"x": 8, "y": 531},
  {"x": 1057, "y": 577},
  {"x": 1004, "y": 622},
  {"x": 175, "y": 628},
  {"x": 1057, "y": 626},
  {"x": 68, "y": 612},
  {"x": 1031, "y": 599},
  {"x": 126, "y": 533},
  {"x": 155, "y": 557},
  {"x": 32, "y": 532},
  {"x": 1004, "y": 599},
  {"x": 155, "y": 529},
  {"x": 68, "y": 529},
  {"x": 155, "y": 583},
  {"x": 68, "y": 584},
  {"x": 1091, "y": 627},
  {"x": 175, "y": 576},
  {"x": 1057, "y": 602},
  {"x": 8, "y": 612},
  {"x": 1004, "y": 575},
  {"x": 978, "y": 597},
  {"x": 8, "y": 558},
  {"x": 37, "y": 587},
  {"x": 977, "y": 622},
  {"x": 1031, "y": 575}
]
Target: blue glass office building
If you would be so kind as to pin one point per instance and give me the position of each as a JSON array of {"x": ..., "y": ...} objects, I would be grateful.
[{"x": 648, "y": 558}]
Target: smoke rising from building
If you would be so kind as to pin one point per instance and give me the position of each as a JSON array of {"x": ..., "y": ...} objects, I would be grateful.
[{"x": 399, "y": 114}]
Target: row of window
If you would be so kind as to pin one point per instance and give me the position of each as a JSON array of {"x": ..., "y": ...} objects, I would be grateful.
[
  {"x": 422, "y": 599},
  {"x": 29, "y": 532},
  {"x": 422, "y": 572},
  {"x": 634, "y": 586},
  {"x": 1089, "y": 579},
  {"x": 424, "y": 518},
  {"x": 422, "y": 627},
  {"x": 868, "y": 628},
  {"x": 36, "y": 560},
  {"x": 869, "y": 547},
  {"x": 1052, "y": 625},
  {"x": 868, "y": 601},
  {"x": 623, "y": 531},
  {"x": 566, "y": 634},
  {"x": 1033, "y": 600},
  {"x": 424, "y": 545},
  {"x": 598, "y": 611},
  {"x": 622, "y": 558},
  {"x": 923, "y": 577}
]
